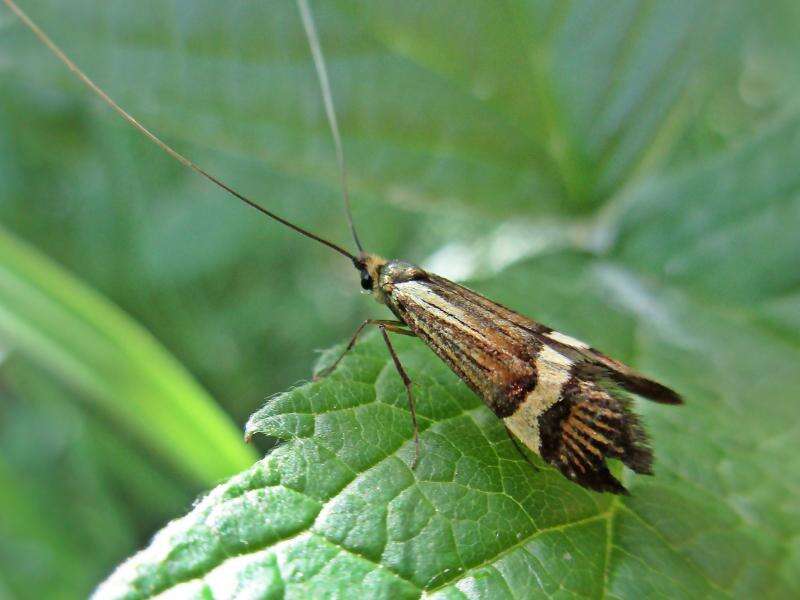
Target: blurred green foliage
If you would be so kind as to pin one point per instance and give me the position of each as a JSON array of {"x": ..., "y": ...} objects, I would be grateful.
[{"x": 660, "y": 135}]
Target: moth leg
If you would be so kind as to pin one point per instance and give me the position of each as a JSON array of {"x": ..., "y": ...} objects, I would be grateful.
[
  {"x": 394, "y": 326},
  {"x": 407, "y": 383},
  {"x": 519, "y": 449}
]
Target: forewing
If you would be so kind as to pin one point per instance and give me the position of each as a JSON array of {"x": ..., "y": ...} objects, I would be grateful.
[
  {"x": 562, "y": 398},
  {"x": 496, "y": 360}
]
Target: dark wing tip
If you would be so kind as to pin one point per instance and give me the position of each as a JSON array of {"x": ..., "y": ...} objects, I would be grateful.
[
  {"x": 652, "y": 390},
  {"x": 597, "y": 365}
]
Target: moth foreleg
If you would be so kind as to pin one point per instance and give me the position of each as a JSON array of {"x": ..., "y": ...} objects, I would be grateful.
[
  {"x": 393, "y": 326},
  {"x": 407, "y": 383}
]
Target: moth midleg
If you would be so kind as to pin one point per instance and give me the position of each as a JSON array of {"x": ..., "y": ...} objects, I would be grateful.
[
  {"x": 393, "y": 326},
  {"x": 406, "y": 382}
]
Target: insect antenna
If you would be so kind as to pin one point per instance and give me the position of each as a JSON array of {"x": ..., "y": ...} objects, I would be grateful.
[
  {"x": 330, "y": 111},
  {"x": 54, "y": 48}
]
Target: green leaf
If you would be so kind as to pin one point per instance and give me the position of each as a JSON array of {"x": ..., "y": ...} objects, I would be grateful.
[
  {"x": 474, "y": 517},
  {"x": 456, "y": 116},
  {"x": 94, "y": 348},
  {"x": 547, "y": 104},
  {"x": 731, "y": 207},
  {"x": 535, "y": 110},
  {"x": 339, "y": 498}
]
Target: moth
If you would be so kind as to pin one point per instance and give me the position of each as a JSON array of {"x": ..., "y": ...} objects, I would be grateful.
[{"x": 558, "y": 396}]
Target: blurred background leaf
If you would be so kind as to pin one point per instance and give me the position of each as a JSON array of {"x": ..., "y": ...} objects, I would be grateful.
[
  {"x": 477, "y": 134},
  {"x": 93, "y": 349}
]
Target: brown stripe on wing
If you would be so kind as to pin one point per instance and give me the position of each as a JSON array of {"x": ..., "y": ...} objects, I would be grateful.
[
  {"x": 589, "y": 424},
  {"x": 494, "y": 359},
  {"x": 509, "y": 400}
]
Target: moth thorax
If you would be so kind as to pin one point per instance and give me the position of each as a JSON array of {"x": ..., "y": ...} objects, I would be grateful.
[{"x": 398, "y": 271}]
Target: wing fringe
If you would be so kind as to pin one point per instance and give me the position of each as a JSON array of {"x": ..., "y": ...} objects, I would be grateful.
[{"x": 591, "y": 423}]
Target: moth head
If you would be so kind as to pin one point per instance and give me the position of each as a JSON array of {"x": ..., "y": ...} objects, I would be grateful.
[
  {"x": 369, "y": 266},
  {"x": 378, "y": 276}
]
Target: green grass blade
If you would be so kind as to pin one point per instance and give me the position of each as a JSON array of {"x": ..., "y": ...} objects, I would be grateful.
[{"x": 95, "y": 348}]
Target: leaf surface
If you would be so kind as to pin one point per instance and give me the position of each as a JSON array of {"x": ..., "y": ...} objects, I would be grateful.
[
  {"x": 474, "y": 519},
  {"x": 642, "y": 130}
]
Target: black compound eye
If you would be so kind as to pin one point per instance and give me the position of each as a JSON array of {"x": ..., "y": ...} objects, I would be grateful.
[{"x": 366, "y": 280}]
